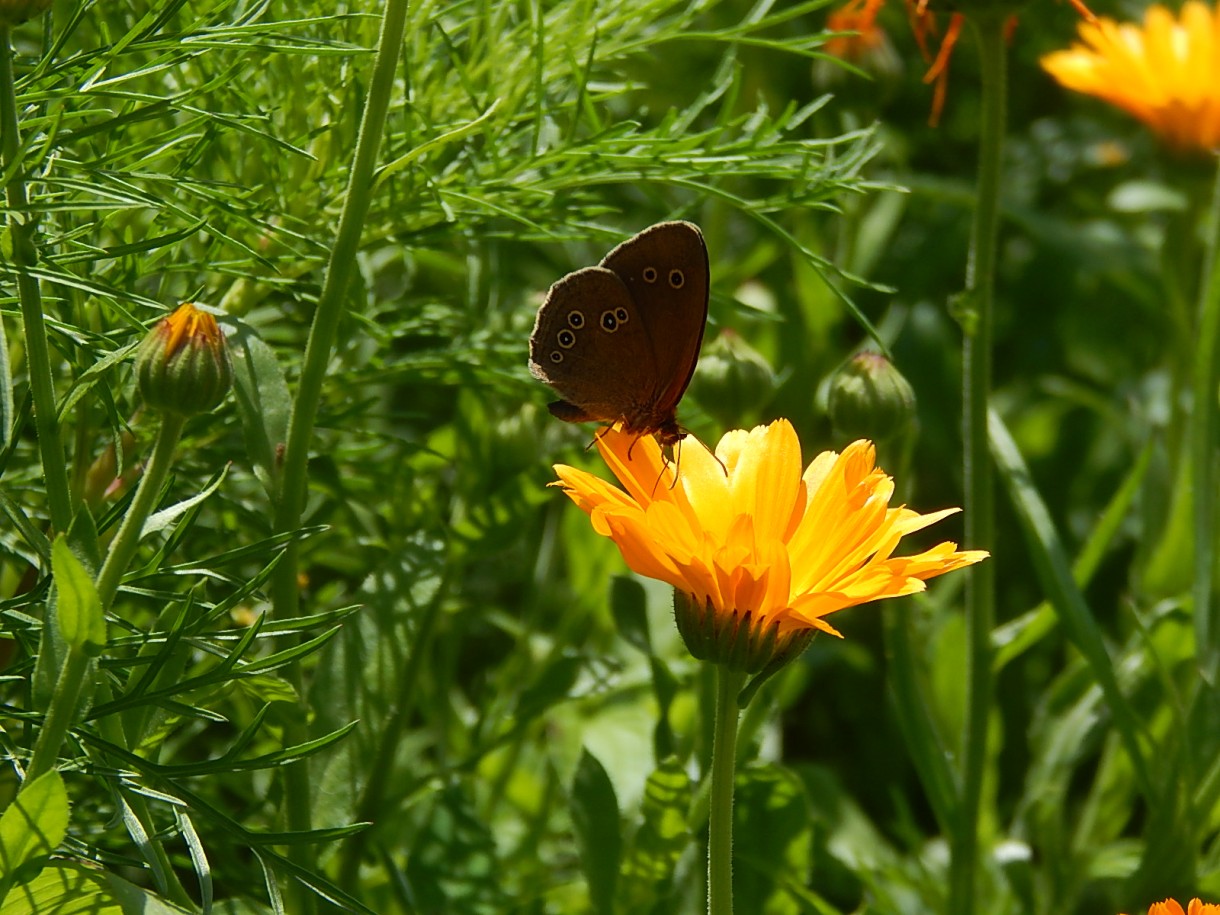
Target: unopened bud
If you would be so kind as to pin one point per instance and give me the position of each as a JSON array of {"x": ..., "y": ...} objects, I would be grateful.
[
  {"x": 869, "y": 398},
  {"x": 733, "y": 380},
  {"x": 183, "y": 364},
  {"x": 15, "y": 12}
]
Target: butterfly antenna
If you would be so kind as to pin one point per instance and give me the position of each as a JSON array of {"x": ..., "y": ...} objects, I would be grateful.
[
  {"x": 715, "y": 457},
  {"x": 665, "y": 462},
  {"x": 597, "y": 437},
  {"x": 677, "y": 450}
]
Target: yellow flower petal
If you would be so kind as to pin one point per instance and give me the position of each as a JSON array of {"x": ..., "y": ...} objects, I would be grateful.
[
  {"x": 1166, "y": 73},
  {"x": 745, "y": 531}
]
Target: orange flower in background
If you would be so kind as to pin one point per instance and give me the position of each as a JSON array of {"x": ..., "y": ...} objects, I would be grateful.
[
  {"x": 1171, "y": 907},
  {"x": 859, "y": 16},
  {"x": 1166, "y": 73},
  {"x": 746, "y": 532}
]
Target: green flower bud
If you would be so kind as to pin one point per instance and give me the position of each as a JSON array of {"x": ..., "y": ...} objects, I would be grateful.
[
  {"x": 869, "y": 398},
  {"x": 183, "y": 364},
  {"x": 737, "y": 640},
  {"x": 733, "y": 380},
  {"x": 734, "y": 639},
  {"x": 15, "y": 12}
]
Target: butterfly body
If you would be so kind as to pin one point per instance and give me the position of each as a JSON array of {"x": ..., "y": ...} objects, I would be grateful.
[{"x": 619, "y": 341}]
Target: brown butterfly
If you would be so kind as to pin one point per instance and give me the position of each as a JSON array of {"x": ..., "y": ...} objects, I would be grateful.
[{"x": 619, "y": 341}]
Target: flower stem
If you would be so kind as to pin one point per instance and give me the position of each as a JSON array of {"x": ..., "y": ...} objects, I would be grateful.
[
  {"x": 339, "y": 271},
  {"x": 1203, "y": 455},
  {"x": 62, "y": 707},
  {"x": 720, "y": 817},
  {"x": 979, "y": 491},
  {"x": 25, "y": 256},
  {"x": 291, "y": 496},
  {"x": 123, "y": 547}
]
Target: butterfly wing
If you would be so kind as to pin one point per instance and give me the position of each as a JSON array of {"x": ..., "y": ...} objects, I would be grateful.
[
  {"x": 590, "y": 345},
  {"x": 665, "y": 269}
]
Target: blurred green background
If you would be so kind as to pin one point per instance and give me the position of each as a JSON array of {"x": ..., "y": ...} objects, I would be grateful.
[{"x": 491, "y": 647}]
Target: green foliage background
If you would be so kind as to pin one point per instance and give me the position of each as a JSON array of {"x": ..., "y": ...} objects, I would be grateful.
[{"x": 514, "y": 716}]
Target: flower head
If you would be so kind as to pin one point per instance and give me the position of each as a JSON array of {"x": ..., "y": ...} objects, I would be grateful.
[
  {"x": 1171, "y": 907},
  {"x": 745, "y": 532},
  {"x": 183, "y": 364},
  {"x": 1166, "y": 73}
]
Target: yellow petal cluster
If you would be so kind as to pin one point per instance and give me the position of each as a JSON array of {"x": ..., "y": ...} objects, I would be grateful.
[
  {"x": 745, "y": 531},
  {"x": 1166, "y": 73}
]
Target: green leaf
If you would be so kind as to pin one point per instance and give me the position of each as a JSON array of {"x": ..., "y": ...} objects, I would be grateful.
[
  {"x": 160, "y": 520},
  {"x": 81, "y": 621},
  {"x": 552, "y": 686},
  {"x": 1051, "y": 565},
  {"x": 6, "y": 394},
  {"x": 773, "y": 839},
  {"x": 73, "y": 890},
  {"x": 263, "y": 398},
  {"x": 627, "y": 603},
  {"x": 663, "y": 835},
  {"x": 596, "y": 820},
  {"x": 34, "y": 824}
]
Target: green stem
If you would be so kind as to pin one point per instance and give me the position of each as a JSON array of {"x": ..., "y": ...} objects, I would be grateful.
[
  {"x": 123, "y": 547},
  {"x": 71, "y": 676},
  {"x": 285, "y": 598},
  {"x": 59, "y": 714},
  {"x": 720, "y": 818},
  {"x": 25, "y": 257},
  {"x": 1203, "y": 448},
  {"x": 979, "y": 491},
  {"x": 339, "y": 272}
]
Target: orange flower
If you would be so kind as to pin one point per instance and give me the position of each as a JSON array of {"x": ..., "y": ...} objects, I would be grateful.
[
  {"x": 744, "y": 532},
  {"x": 1166, "y": 73},
  {"x": 859, "y": 16},
  {"x": 1171, "y": 907}
]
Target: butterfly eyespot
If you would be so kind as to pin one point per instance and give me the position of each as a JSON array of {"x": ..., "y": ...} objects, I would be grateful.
[
  {"x": 621, "y": 314},
  {"x": 566, "y": 338},
  {"x": 677, "y": 279},
  {"x": 556, "y": 356},
  {"x": 650, "y": 274},
  {"x": 576, "y": 319},
  {"x": 609, "y": 321}
]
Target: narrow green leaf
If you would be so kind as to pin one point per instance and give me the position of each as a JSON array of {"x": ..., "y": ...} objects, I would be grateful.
[
  {"x": 596, "y": 820},
  {"x": 627, "y": 603},
  {"x": 79, "y": 608},
  {"x": 1015, "y": 637},
  {"x": 34, "y": 824},
  {"x": 160, "y": 520},
  {"x": 1051, "y": 565},
  {"x": 6, "y": 393}
]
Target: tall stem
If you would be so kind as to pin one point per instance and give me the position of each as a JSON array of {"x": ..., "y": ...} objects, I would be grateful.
[
  {"x": 979, "y": 491},
  {"x": 720, "y": 816},
  {"x": 25, "y": 257},
  {"x": 318, "y": 349},
  {"x": 123, "y": 547},
  {"x": 1203, "y": 448}
]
